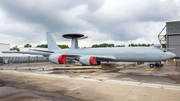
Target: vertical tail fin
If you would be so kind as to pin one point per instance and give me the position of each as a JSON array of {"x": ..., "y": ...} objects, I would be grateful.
[{"x": 52, "y": 45}]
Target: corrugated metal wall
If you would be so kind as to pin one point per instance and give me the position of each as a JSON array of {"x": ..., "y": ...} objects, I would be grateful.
[
  {"x": 174, "y": 42},
  {"x": 173, "y": 27},
  {"x": 173, "y": 37},
  {"x": 24, "y": 59}
]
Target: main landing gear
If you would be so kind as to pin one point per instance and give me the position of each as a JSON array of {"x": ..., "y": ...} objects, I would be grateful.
[{"x": 139, "y": 63}]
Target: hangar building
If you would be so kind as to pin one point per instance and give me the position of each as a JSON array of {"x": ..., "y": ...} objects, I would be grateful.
[
  {"x": 173, "y": 37},
  {"x": 19, "y": 58},
  {"x": 4, "y": 47}
]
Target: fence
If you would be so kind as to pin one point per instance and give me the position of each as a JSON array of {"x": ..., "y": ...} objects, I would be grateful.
[{"x": 23, "y": 59}]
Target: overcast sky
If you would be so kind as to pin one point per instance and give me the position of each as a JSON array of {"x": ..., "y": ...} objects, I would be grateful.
[{"x": 103, "y": 21}]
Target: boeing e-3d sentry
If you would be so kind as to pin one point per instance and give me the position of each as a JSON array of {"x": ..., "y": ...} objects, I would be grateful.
[{"x": 92, "y": 56}]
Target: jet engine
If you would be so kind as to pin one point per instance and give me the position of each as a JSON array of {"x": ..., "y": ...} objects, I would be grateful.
[
  {"x": 91, "y": 60},
  {"x": 58, "y": 59}
]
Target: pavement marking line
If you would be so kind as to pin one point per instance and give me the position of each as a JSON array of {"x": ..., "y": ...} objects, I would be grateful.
[
  {"x": 74, "y": 88},
  {"x": 78, "y": 78},
  {"x": 89, "y": 79},
  {"x": 130, "y": 83},
  {"x": 112, "y": 81},
  {"x": 140, "y": 83},
  {"x": 94, "y": 80},
  {"x": 151, "y": 85},
  {"x": 171, "y": 87},
  {"x": 64, "y": 76}
]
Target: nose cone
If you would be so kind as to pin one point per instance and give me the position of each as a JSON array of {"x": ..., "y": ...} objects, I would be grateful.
[{"x": 170, "y": 55}]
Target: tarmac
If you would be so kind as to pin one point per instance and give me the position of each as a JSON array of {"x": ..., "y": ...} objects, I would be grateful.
[{"x": 128, "y": 84}]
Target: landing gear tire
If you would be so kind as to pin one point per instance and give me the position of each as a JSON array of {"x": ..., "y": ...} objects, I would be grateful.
[{"x": 151, "y": 65}]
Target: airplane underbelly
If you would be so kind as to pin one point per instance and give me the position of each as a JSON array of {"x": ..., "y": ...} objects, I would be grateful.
[
  {"x": 138, "y": 57},
  {"x": 130, "y": 57}
]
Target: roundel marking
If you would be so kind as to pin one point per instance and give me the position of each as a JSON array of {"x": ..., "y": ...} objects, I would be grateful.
[{"x": 97, "y": 52}]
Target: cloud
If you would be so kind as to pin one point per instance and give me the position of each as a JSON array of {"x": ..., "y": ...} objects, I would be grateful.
[
  {"x": 102, "y": 20},
  {"x": 55, "y": 15},
  {"x": 124, "y": 19}
]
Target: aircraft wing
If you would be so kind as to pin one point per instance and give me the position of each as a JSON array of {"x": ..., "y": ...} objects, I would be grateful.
[
  {"x": 70, "y": 56},
  {"x": 105, "y": 58},
  {"x": 32, "y": 53},
  {"x": 98, "y": 57}
]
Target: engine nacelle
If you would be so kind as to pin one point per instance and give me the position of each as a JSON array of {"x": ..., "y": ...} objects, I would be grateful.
[
  {"x": 58, "y": 59},
  {"x": 91, "y": 60}
]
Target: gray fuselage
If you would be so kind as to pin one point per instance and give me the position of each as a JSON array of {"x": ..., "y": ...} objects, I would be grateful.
[{"x": 128, "y": 54}]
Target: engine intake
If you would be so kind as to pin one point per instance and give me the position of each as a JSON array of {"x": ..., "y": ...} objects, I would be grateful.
[
  {"x": 58, "y": 59},
  {"x": 91, "y": 60}
]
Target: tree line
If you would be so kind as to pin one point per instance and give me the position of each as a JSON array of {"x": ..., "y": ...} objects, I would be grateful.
[
  {"x": 144, "y": 45},
  {"x": 46, "y": 46},
  {"x": 40, "y": 46},
  {"x": 112, "y": 45},
  {"x": 93, "y": 46}
]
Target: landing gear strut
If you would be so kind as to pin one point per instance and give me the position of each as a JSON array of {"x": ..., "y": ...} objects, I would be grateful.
[{"x": 139, "y": 63}]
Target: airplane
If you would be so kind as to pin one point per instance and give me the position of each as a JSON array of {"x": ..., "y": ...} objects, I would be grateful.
[{"x": 92, "y": 56}]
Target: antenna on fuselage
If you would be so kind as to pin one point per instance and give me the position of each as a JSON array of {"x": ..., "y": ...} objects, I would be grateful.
[{"x": 74, "y": 37}]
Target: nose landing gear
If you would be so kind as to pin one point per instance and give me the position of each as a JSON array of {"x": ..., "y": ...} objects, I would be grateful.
[{"x": 158, "y": 64}]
